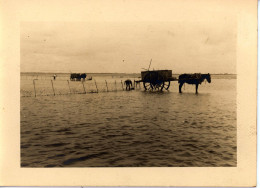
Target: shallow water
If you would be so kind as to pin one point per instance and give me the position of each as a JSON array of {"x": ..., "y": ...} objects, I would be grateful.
[{"x": 131, "y": 129}]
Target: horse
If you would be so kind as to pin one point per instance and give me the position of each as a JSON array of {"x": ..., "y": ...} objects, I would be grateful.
[
  {"x": 196, "y": 79},
  {"x": 128, "y": 84}
]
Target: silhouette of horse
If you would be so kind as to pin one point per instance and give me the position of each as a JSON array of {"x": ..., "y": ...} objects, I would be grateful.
[
  {"x": 196, "y": 79},
  {"x": 128, "y": 84}
]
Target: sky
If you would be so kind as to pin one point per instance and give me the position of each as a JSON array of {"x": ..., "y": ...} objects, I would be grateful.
[{"x": 206, "y": 46}]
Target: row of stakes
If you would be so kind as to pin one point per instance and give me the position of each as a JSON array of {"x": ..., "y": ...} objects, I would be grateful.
[{"x": 82, "y": 85}]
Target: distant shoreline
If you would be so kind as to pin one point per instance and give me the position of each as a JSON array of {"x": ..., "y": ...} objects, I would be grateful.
[{"x": 115, "y": 73}]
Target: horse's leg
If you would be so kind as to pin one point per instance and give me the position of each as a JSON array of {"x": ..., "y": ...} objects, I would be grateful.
[
  {"x": 197, "y": 85},
  {"x": 180, "y": 86}
]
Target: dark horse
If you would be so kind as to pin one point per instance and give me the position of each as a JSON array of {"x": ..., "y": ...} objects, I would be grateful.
[
  {"x": 128, "y": 84},
  {"x": 196, "y": 79}
]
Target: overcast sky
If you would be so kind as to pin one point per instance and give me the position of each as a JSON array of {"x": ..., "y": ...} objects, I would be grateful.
[{"x": 127, "y": 47}]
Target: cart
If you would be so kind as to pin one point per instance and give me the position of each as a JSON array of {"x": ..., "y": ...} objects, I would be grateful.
[
  {"x": 79, "y": 77},
  {"x": 157, "y": 79}
]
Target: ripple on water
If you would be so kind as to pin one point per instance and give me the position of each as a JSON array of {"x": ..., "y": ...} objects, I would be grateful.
[{"x": 83, "y": 158}]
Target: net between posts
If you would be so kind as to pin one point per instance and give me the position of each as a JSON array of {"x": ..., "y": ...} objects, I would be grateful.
[{"x": 46, "y": 87}]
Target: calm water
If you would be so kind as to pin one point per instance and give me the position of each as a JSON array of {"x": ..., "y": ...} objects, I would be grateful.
[{"x": 130, "y": 129}]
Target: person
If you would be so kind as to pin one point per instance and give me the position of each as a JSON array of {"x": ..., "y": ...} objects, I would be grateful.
[
  {"x": 128, "y": 84},
  {"x": 54, "y": 77}
]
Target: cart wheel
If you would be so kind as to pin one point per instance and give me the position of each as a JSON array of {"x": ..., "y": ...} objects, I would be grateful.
[
  {"x": 148, "y": 82},
  {"x": 166, "y": 85},
  {"x": 147, "y": 86},
  {"x": 158, "y": 85},
  {"x": 153, "y": 81}
]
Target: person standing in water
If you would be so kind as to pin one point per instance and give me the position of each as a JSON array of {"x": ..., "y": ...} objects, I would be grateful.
[{"x": 128, "y": 84}]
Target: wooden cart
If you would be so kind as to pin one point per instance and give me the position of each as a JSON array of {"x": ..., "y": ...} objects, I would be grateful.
[{"x": 157, "y": 79}]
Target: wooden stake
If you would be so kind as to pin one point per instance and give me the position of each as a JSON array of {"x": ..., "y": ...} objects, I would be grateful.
[
  {"x": 52, "y": 87},
  {"x": 83, "y": 87},
  {"x": 106, "y": 85},
  {"x": 122, "y": 85},
  {"x": 96, "y": 86},
  {"x": 34, "y": 88},
  {"x": 69, "y": 85}
]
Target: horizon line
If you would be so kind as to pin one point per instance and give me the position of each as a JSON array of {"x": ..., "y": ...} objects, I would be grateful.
[{"x": 110, "y": 72}]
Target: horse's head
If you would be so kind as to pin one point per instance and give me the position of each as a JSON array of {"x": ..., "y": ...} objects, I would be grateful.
[{"x": 208, "y": 77}]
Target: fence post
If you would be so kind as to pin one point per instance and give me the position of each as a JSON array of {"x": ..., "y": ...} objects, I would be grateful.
[
  {"x": 106, "y": 85},
  {"x": 34, "y": 87},
  {"x": 52, "y": 88},
  {"x": 122, "y": 85},
  {"x": 69, "y": 85},
  {"x": 96, "y": 86},
  {"x": 115, "y": 85},
  {"x": 83, "y": 87}
]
